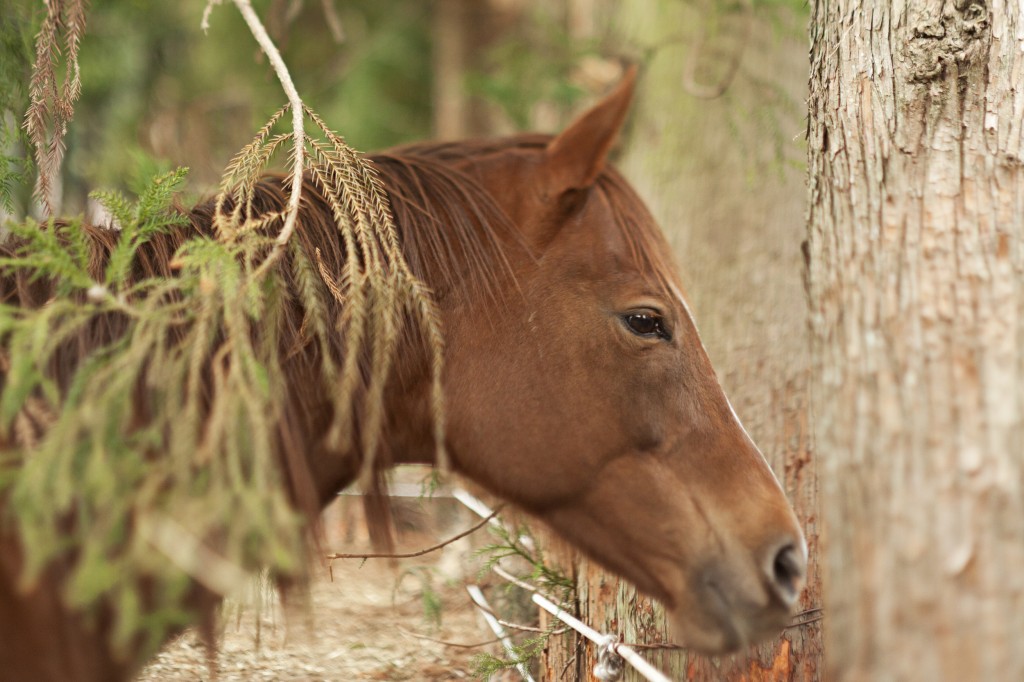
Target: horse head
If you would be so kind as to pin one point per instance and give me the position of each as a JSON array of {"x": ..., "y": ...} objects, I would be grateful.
[{"x": 589, "y": 399}]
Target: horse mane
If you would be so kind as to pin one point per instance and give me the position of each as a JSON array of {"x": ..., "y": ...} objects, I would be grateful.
[
  {"x": 454, "y": 235},
  {"x": 432, "y": 162}
]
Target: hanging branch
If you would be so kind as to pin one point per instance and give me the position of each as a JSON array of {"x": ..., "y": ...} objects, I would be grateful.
[
  {"x": 298, "y": 131},
  {"x": 52, "y": 107},
  {"x": 428, "y": 550}
]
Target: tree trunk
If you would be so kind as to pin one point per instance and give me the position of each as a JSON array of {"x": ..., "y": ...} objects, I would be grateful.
[
  {"x": 917, "y": 294},
  {"x": 714, "y": 173},
  {"x": 451, "y": 102}
]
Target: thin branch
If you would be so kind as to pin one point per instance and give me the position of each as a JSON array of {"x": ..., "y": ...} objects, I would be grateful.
[
  {"x": 702, "y": 91},
  {"x": 421, "y": 552},
  {"x": 295, "y": 102},
  {"x": 333, "y": 21},
  {"x": 571, "y": 661},
  {"x": 514, "y": 580},
  {"x": 656, "y": 645},
  {"x": 458, "y": 645},
  {"x": 519, "y": 626}
]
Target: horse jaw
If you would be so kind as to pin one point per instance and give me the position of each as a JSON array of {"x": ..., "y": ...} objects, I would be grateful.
[{"x": 717, "y": 596}]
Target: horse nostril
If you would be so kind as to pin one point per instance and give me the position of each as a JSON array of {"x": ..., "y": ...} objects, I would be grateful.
[{"x": 787, "y": 573}]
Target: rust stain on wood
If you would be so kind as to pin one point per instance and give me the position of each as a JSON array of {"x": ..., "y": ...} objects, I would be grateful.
[{"x": 780, "y": 670}]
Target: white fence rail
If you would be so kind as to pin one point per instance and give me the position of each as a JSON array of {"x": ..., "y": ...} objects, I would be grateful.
[
  {"x": 478, "y": 598},
  {"x": 611, "y": 652}
]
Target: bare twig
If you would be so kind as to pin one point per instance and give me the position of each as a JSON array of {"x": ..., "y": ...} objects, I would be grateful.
[
  {"x": 571, "y": 661},
  {"x": 513, "y": 579},
  {"x": 702, "y": 91},
  {"x": 519, "y": 626},
  {"x": 458, "y": 645},
  {"x": 656, "y": 645},
  {"x": 333, "y": 21},
  {"x": 298, "y": 134},
  {"x": 410, "y": 555},
  {"x": 805, "y": 622}
]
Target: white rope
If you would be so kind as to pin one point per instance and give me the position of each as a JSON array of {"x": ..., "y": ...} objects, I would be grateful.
[
  {"x": 608, "y": 668},
  {"x": 645, "y": 669},
  {"x": 477, "y": 506},
  {"x": 478, "y": 597}
]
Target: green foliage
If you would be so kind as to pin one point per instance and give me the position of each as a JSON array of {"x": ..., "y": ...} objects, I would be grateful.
[
  {"x": 518, "y": 542},
  {"x": 155, "y": 460},
  {"x": 122, "y": 457},
  {"x": 139, "y": 222},
  {"x": 149, "y": 71},
  {"x": 16, "y": 30},
  {"x": 141, "y": 417},
  {"x": 154, "y": 86},
  {"x": 516, "y": 79},
  {"x": 485, "y": 665}
]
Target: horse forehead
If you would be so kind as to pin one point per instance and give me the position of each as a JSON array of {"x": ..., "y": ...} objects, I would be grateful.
[{"x": 593, "y": 235}]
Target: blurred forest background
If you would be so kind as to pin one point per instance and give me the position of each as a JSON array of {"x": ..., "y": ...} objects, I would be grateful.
[
  {"x": 715, "y": 146},
  {"x": 158, "y": 92}
]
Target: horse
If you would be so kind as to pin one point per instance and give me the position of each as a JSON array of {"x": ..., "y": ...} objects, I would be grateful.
[{"x": 576, "y": 388}]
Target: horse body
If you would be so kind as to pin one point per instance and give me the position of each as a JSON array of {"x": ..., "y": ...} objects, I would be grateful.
[{"x": 576, "y": 387}]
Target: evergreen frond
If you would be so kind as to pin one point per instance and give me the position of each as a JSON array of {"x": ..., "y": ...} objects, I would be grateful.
[
  {"x": 486, "y": 665},
  {"x": 53, "y": 251},
  {"x": 138, "y": 222},
  {"x": 171, "y": 422}
]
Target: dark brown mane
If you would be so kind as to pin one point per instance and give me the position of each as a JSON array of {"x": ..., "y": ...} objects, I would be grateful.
[
  {"x": 454, "y": 235},
  {"x": 443, "y": 211}
]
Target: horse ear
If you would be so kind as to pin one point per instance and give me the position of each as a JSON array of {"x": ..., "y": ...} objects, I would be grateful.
[{"x": 577, "y": 155}]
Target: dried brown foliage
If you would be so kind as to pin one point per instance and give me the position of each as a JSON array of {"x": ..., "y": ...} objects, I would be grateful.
[{"x": 52, "y": 97}]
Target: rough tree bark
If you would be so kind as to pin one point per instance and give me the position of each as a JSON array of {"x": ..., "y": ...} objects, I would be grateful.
[
  {"x": 916, "y": 283},
  {"x": 711, "y": 172}
]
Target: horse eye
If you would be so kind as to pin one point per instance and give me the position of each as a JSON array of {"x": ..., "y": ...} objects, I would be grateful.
[{"x": 646, "y": 324}]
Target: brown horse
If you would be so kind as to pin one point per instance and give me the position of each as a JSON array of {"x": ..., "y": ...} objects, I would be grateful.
[{"x": 576, "y": 387}]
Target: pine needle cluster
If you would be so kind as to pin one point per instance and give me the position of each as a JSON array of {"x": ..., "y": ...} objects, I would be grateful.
[
  {"x": 129, "y": 452},
  {"x": 375, "y": 290},
  {"x": 143, "y": 411},
  {"x": 157, "y": 463},
  {"x": 516, "y": 542}
]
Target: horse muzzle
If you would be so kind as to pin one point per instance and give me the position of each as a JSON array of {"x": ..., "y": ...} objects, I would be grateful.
[{"x": 731, "y": 608}]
